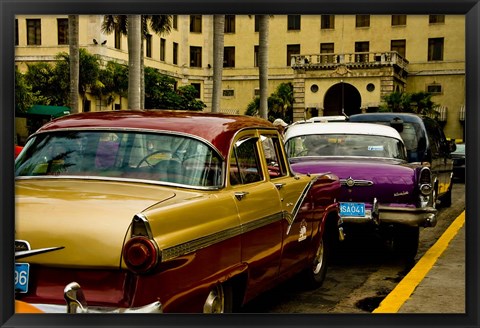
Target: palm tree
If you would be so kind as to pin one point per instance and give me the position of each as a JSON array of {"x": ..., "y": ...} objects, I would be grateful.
[
  {"x": 263, "y": 63},
  {"x": 159, "y": 24},
  {"x": 134, "y": 58},
  {"x": 218, "y": 42},
  {"x": 74, "y": 62}
]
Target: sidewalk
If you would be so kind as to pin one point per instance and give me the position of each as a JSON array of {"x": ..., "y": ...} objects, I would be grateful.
[{"x": 437, "y": 282}]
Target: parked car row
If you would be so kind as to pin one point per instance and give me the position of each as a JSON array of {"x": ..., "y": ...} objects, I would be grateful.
[
  {"x": 380, "y": 189},
  {"x": 173, "y": 211},
  {"x": 198, "y": 211}
]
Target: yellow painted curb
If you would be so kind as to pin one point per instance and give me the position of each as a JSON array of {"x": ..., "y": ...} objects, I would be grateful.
[{"x": 398, "y": 296}]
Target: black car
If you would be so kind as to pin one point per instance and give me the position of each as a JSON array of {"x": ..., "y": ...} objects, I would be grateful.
[
  {"x": 459, "y": 162},
  {"x": 425, "y": 142}
]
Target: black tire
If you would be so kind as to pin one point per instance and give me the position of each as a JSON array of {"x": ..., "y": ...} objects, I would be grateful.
[
  {"x": 406, "y": 241},
  {"x": 446, "y": 200},
  {"x": 220, "y": 299},
  {"x": 315, "y": 274}
]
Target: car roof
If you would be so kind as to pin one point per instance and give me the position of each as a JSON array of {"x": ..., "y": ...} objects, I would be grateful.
[
  {"x": 386, "y": 117},
  {"x": 342, "y": 128},
  {"x": 216, "y": 128}
]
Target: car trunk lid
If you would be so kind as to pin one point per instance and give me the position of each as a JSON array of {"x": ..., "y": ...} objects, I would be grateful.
[{"x": 90, "y": 218}]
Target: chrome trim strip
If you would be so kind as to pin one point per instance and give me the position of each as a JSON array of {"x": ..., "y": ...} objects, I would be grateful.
[
  {"x": 355, "y": 183},
  {"x": 203, "y": 242},
  {"x": 290, "y": 217},
  {"x": 116, "y": 179}
]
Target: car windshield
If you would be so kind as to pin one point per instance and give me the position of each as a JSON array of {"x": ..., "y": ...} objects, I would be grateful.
[
  {"x": 346, "y": 145},
  {"x": 460, "y": 149},
  {"x": 157, "y": 157}
]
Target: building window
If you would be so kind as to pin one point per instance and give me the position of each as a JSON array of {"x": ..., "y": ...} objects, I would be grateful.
[
  {"x": 327, "y": 48},
  {"x": 16, "y": 32},
  {"x": 257, "y": 23},
  {"x": 292, "y": 49},
  {"x": 229, "y": 57},
  {"x": 228, "y": 93},
  {"x": 436, "y": 19},
  {"x": 175, "y": 53},
  {"x": 256, "y": 92},
  {"x": 34, "y": 32},
  {"x": 118, "y": 39},
  {"x": 435, "y": 49},
  {"x": 434, "y": 88},
  {"x": 175, "y": 22},
  {"x": 229, "y": 23},
  {"x": 294, "y": 22},
  {"x": 196, "y": 23},
  {"x": 198, "y": 88},
  {"x": 162, "y": 49},
  {"x": 399, "y": 46},
  {"x": 255, "y": 56},
  {"x": 148, "y": 46},
  {"x": 327, "y": 22},
  {"x": 62, "y": 28},
  {"x": 362, "y": 48},
  {"x": 100, "y": 104},
  {"x": 362, "y": 21},
  {"x": 399, "y": 20},
  {"x": 195, "y": 56}
]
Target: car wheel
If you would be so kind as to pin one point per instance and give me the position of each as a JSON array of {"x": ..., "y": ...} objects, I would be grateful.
[
  {"x": 406, "y": 241},
  {"x": 315, "y": 274},
  {"x": 446, "y": 200},
  {"x": 219, "y": 299}
]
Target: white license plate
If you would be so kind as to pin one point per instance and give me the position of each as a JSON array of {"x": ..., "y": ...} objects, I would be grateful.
[
  {"x": 352, "y": 209},
  {"x": 22, "y": 271}
]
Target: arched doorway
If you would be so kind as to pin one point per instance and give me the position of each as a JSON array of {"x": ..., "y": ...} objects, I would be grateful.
[{"x": 342, "y": 95}]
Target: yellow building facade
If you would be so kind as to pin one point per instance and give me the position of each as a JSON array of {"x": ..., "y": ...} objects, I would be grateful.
[{"x": 337, "y": 63}]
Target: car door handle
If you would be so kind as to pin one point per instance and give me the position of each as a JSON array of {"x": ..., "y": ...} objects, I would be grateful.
[
  {"x": 279, "y": 185},
  {"x": 240, "y": 194}
]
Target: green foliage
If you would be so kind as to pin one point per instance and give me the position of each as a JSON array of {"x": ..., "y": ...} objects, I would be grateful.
[
  {"x": 48, "y": 84},
  {"x": 280, "y": 104},
  {"x": 89, "y": 70},
  {"x": 45, "y": 80},
  {"x": 160, "y": 93},
  {"x": 25, "y": 97},
  {"x": 114, "y": 81},
  {"x": 418, "y": 103}
]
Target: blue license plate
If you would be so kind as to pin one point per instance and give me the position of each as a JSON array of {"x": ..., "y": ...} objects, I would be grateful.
[
  {"x": 22, "y": 271},
  {"x": 352, "y": 209}
]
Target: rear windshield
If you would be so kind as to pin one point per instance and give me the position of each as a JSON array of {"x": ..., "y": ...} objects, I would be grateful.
[
  {"x": 345, "y": 145},
  {"x": 157, "y": 157}
]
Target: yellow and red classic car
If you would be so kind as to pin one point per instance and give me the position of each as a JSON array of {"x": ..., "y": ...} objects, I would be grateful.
[{"x": 188, "y": 211}]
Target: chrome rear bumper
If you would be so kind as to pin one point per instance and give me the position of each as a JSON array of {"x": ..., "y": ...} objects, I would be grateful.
[{"x": 76, "y": 303}]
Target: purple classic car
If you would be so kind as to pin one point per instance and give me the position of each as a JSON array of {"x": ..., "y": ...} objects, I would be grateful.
[{"x": 380, "y": 189}]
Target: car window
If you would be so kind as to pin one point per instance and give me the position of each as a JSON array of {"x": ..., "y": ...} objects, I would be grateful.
[
  {"x": 272, "y": 151},
  {"x": 159, "y": 157},
  {"x": 245, "y": 162},
  {"x": 346, "y": 145}
]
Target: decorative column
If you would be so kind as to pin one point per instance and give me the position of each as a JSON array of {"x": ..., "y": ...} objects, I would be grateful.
[{"x": 299, "y": 96}]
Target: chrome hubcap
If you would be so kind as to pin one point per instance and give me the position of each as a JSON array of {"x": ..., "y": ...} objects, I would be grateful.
[
  {"x": 318, "y": 262},
  {"x": 215, "y": 301}
]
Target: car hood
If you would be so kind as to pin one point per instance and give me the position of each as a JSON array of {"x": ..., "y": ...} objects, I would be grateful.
[
  {"x": 90, "y": 218},
  {"x": 393, "y": 180}
]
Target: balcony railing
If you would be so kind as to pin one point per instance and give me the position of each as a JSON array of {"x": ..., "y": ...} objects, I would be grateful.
[{"x": 350, "y": 60}]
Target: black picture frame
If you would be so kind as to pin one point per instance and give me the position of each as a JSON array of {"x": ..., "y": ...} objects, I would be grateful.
[{"x": 10, "y": 8}]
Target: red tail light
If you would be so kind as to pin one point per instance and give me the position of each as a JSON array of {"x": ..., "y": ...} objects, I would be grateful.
[{"x": 140, "y": 254}]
